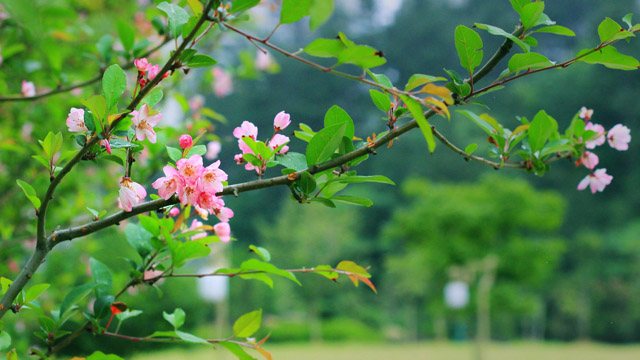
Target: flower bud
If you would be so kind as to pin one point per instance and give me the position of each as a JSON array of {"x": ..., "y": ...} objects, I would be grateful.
[{"x": 186, "y": 141}]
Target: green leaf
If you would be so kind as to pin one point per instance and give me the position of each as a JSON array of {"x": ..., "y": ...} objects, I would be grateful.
[
  {"x": 139, "y": 239},
  {"x": 174, "y": 154},
  {"x": 152, "y": 225},
  {"x": 306, "y": 183},
  {"x": 610, "y": 30},
  {"x": 381, "y": 79},
  {"x": 242, "y": 5},
  {"x": 320, "y": 12},
  {"x": 177, "y": 16},
  {"x": 352, "y": 267},
  {"x": 469, "y": 48},
  {"x": 380, "y": 100},
  {"x": 294, "y": 10},
  {"x": 114, "y": 84},
  {"x": 190, "y": 338},
  {"x": 324, "y": 143},
  {"x": 99, "y": 355},
  {"x": 5, "y": 340},
  {"x": 354, "y": 200},
  {"x": 362, "y": 179},
  {"x": 30, "y": 192},
  {"x": 152, "y": 98},
  {"x": 416, "y": 111},
  {"x": 52, "y": 143},
  {"x": 609, "y": 57},
  {"x": 126, "y": 34},
  {"x": 471, "y": 148},
  {"x": 34, "y": 292},
  {"x": 4, "y": 284},
  {"x": 531, "y": 60},
  {"x": 420, "y": 79},
  {"x": 117, "y": 143},
  {"x": 258, "y": 276},
  {"x": 293, "y": 160},
  {"x": 325, "y": 48},
  {"x": 197, "y": 150},
  {"x": 236, "y": 350},
  {"x": 196, "y": 6},
  {"x": 331, "y": 275},
  {"x": 494, "y": 30},
  {"x": 257, "y": 265},
  {"x": 478, "y": 120},
  {"x": 324, "y": 201},
  {"x": 102, "y": 276},
  {"x": 262, "y": 252},
  {"x": 188, "y": 250},
  {"x": 247, "y": 324},
  {"x": 518, "y": 4},
  {"x": 530, "y": 13},
  {"x": 556, "y": 29},
  {"x": 363, "y": 56},
  {"x": 541, "y": 128},
  {"x": 627, "y": 20},
  {"x": 201, "y": 60},
  {"x": 337, "y": 116},
  {"x": 128, "y": 314},
  {"x": 74, "y": 296},
  {"x": 176, "y": 318},
  {"x": 98, "y": 107}
]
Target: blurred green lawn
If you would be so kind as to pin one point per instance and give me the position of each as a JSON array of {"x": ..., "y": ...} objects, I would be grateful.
[{"x": 424, "y": 351}]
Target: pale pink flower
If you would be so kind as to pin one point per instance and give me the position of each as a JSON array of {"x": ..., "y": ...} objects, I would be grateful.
[
  {"x": 175, "y": 211},
  {"x": 141, "y": 65},
  {"x": 131, "y": 193},
  {"x": 224, "y": 214},
  {"x": 222, "y": 82},
  {"x": 190, "y": 169},
  {"x": 185, "y": 141},
  {"x": 212, "y": 177},
  {"x": 170, "y": 184},
  {"x": 263, "y": 61},
  {"x": 223, "y": 231},
  {"x": 144, "y": 123},
  {"x": 195, "y": 224},
  {"x": 190, "y": 195},
  {"x": 196, "y": 103},
  {"x": 151, "y": 274},
  {"x": 153, "y": 71},
  {"x": 281, "y": 121},
  {"x": 278, "y": 140},
  {"x": 244, "y": 147},
  {"x": 596, "y": 181},
  {"x": 589, "y": 160},
  {"x": 28, "y": 88},
  {"x": 246, "y": 129},
  {"x": 619, "y": 137},
  {"x": 206, "y": 201},
  {"x": 75, "y": 120},
  {"x": 213, "y": 149},
  {"x": 585, "y": 113},
  {"x": 239, "y": 159},
  {"x": 598, "y": 140},
  {"x": 26, "y": 131}
]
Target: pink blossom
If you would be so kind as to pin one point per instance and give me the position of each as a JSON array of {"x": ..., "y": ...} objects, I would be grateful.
[
  {"x": 224, "y": 214},
  {"x": 131, "y": 193},
  {"x": 263, "y": 61},
  {"x": 195, "y": 224},
  {"x": 174, "y": 211},
  {"x": 170, "y": 184},
  {"x": 588, "y": 159},
  {"x": 141, "y": 65},
  {"x": 144, "y": 123},
  {"x": 190, "y": 195},
  {"x": 596, "y": 181},
  {"x": 222, "y": 82},
  {"x": 239, "y": 159},
  {"x": 278, "y": 140},
  {"x": 153, "y": 71},
  {"x": 223, "y": 231},
  {"x": 244, "y": 147},
  {"x": 185, "y": 141},
  {"x": 152, "y": 274},
  {"x": 196, "y": 103},
  {"x": 28, "y": 88},
  {"x": 598, "y": 140},
  {"x": 246, "y": 129},
  {"x": 190, "y": 169},
  {"x": 75, "y": 120},
  {"x": 619, "y": 137},
  {"x": 281, "y": 121},
  {"x": 106, "y": 144},
  {"x": 212, "y": 178},
  {"x": 585, "y": 113},
  {"x": 213, "y": 149}
]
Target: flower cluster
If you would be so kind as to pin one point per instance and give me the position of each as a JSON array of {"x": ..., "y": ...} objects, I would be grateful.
[
  {"x": 277, "y": 141},
  {"x": 196, "y": 185},
  {"x": 146, "y": 68},
  {"x": 618, "y": 138}
]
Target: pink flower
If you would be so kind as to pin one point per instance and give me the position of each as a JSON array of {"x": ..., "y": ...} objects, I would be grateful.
[
  {"x": 212, "y": 178},
  {"x": 239, "y": 159},
  {"x": 585, "y": 113},
  {"x": 190, "y": 195},
  {"x": 186, "y": 141},
  {"x": 588, "y": 159},
  {"x": 263, "y": 61},
  {"x": 170, "y": 184},
  {"x": 196, "y": 103},
  {"x": 106, "y": 144},
  {"x": 75, "y": 120},
  {"x": 598, "y": 140},
  {"x": 131, "y": 193},
  {"x": 222, "y": 82},
  {"x": 223, "y": 214},
  {"x": 153, "y": 71},
  {"x": 619, "y": 137},
  {"x": 246, "y": 129},
  {"x": 213, "y": 149},
  {"x": 281, "y": 121},
  {"x": 195, "y": 224},
  {"x": 174, "y": 212},
  {"x": 28, "y": 88},
  {"x": 244, "y": 147},
  {"x": 141, "y": 65},
  {"x": 597, "y": 181},
  {"x": 151, "y": 274},
  {"x": 190, "y": 169},
  {"x": 144, "y": 123},
  {"x": 278, "y": 140},
  {"x": 223, "y": 231}
]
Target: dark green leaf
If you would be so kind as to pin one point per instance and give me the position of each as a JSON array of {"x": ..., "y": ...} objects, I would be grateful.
[
  {"x": 293, "y": 160},
  {"x": 139, "y": 239},
  {"x": 102, "y": 276},
  {"x": 531, "y": 60},
  {"x": 609, "y": 57},
  {"x": 126, "y": 34},
  {"x": 541, "y": 128},
  {"x": 324, "y": 143},
  {"x": 74, "y": 296},
  {"x": 494, "y": 30},
  {"x": 337, "y": 116},
  {"x": 201, "y": 60}
]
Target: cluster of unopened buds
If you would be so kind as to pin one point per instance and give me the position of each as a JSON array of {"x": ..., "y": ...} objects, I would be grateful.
[
  {"x": 618, "y": 138},
  {"x": 249, "y": 130},
  {"x": 146, "y": 68}
]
